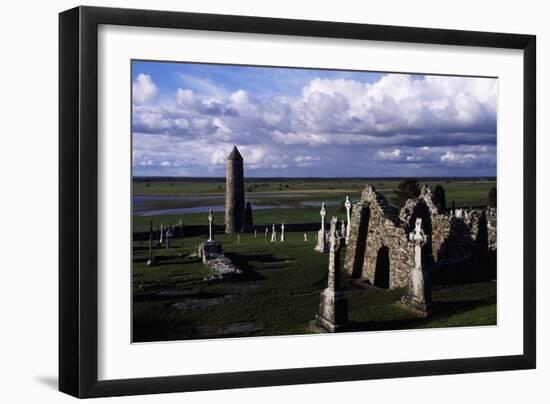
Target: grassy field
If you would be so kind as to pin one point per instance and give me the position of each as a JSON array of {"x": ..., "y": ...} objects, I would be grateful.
[
  {"x": 288, "y": 200},
  {"x": 278, "y": 295}
]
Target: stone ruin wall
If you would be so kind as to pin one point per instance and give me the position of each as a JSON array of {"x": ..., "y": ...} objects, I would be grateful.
[{"x": 377, "y": 227}]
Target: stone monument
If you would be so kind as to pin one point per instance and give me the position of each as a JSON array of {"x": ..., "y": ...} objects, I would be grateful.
[
  {"x": 347, "y": 204},
  {"x": 273, "y": 234},
  {"x": 418, "y": 297},
  {"x": 322, "y": 245},
  {"x": 210, "y": 248},
  {"x": 169, "y": 236},
  {"x": 333, "y": 308},
  {"x": 210, "y": 223},
  {"x": 151, "y": 261},
  {"x": 234, "y": 192}
]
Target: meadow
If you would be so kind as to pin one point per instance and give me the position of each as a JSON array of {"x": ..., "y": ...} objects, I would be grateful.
[
  {"x": 277, "y": 200},
  {"x": 279, "y": 293}
]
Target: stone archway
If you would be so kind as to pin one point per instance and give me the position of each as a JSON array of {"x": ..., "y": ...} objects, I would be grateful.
[{"x": 382, "y": 269}]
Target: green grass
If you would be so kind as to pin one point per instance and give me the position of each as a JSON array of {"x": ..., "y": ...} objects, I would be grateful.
[
  {"x": 287, "y": 203},
  {"x": 280, "y": 292}
]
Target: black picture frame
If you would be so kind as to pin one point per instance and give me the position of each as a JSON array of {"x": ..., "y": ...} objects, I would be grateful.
[{"x": 78, "y": 201}]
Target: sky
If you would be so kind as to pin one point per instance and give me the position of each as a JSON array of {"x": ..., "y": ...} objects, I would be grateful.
[{"x": 291, "y": 122}]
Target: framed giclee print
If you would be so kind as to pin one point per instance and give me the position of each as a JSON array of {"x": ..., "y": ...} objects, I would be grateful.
[{"x": 252, "y": 202}]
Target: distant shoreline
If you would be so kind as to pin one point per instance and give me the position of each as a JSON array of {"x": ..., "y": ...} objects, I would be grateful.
[{"x": 159, "y": 178}]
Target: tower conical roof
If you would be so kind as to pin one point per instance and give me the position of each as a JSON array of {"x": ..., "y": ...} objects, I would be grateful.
[{"x": 235, "y": 155}]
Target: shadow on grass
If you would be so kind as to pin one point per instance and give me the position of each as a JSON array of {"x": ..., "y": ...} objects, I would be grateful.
[
  {"x": 481, "y": 267},
  {"x": 441, "y": 310},
  {"x": 161, "y": 330},
  {"x": 250, "y": 273},
  {"x": 174, "y": 294},
  {"x": 166, "y": 259}
]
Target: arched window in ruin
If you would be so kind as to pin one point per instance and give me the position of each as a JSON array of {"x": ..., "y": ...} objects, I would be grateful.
[
  {"x": 421, "y": 210},
  {"x": 361, "y": 243},
  {"x": 382, "y": 270}
]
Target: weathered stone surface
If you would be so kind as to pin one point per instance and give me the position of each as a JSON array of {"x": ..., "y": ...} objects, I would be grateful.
[
  {"x": 378, "y": 250},
  {"x": 212, "y": 256},
  {"x": 419, "y": 291},
  {"x": 322, "y": 242},
  {"x": 333, "y": 307},
  {"x": 234, "y": 192}
]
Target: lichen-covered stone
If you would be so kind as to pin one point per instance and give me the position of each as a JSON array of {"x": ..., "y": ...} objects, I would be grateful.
[
  {"x": 378, "y": 250},
  {"x": 212, "y": 256}
]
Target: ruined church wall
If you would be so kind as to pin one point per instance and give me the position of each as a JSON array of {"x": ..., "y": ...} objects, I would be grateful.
[
  {"x": 383, "y": 233},
  {"x": 355, "y": 251},
  {"x": 374, "y": 228},
  {"x": 379, "y": 237}
]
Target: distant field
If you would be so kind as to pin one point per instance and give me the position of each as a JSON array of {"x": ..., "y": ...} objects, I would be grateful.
[{"x": 276, "y": 200}]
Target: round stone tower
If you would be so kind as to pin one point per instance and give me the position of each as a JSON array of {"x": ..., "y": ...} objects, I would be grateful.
[{"x": 234, "y": 192}]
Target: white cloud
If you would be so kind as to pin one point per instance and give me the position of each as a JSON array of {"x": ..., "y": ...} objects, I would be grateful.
[
  {"x": 144, "y": 89},
  {"x": 401, "y": 120},
  {"x": 395, "y": 154},
  {"x": 240, "y": 97},
  {"x": 455, "y": 158}
]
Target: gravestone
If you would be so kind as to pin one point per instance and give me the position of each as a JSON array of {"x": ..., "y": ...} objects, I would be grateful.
[
  {"x": 419, "y": 294},
  {"x": 211, "y": 248},
  {"x": 283, "y": 231},
  {"x": 210, "y": 223},
  {"x": 151, "y": 261},
  {"x": 347, "y": 204},
  {"x": 333, "y": 307},
  {"x": 273, "y": 234},
  {"x": 305, "y": 237},
  {"x": 169, "y": 236},
  {"x": 322, "y": 242}
]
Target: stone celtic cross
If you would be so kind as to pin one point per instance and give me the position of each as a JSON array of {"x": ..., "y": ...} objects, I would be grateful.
[
  {"x": 323, "y": 213},
  {"x": 210, "y": 222}
]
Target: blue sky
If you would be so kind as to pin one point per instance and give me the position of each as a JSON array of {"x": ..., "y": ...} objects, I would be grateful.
[{"x": 310, "y": 122}]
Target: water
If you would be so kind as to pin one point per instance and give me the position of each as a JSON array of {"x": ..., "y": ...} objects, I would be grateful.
[
  {"x": 317, "y": 203},
  {"x": 217, "y": 205},
  {"x": 199, "y": 209},
  {"x": 141, "y": 199}
]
